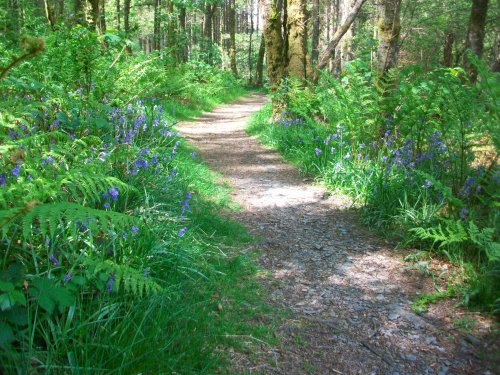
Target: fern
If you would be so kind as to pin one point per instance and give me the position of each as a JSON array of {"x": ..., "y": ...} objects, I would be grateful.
[
  {"x": 453, "y": 233},
  {"x": 58, "y": 216},
  {"x": 129, "y": 279}
]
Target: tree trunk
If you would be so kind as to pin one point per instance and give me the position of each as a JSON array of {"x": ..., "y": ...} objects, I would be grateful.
[
  {"x": 250, "y": 46},
  {"x": 346, "y": 42},
  {"x": 156, "y": 25},
  {"x": 172, "y": 27},
  {"x": 207, "y": 21},
  {"x": 297, "y": 39},
  {"x": 339, "y": 33},
  {"x": 274, "y": 42},
  {"x": 96, "y": 14},
  {"x": 102, "y": 10},
  {"x": 118, "y": 12},
  {"x": 389, "y": 28},
  {"x": 260, "y": 62},
  {"x": 448, "y": 49},
  {"x": 495, "y": 67},
  {"x": 183, "y": 50},
  {"x": 315, "y": 32},
  {"x": 232, "y": 36},
  {"x": 475, "y": 38}
]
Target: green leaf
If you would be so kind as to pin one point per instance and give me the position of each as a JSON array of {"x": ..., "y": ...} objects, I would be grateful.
[
  {"x": 50, "y": 296},
  {"x": 6, "y": 286},
  {"x": 6, "y": 333},
  {"x": 5, "y": 302}
]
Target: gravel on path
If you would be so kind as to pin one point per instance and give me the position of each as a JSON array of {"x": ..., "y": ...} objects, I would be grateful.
[{"x": 348, "y": 290}]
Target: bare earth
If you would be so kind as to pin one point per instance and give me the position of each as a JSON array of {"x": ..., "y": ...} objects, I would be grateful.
[{"x": 348, "y": 290}]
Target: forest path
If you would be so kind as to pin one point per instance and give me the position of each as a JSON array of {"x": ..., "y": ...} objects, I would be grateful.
[{"x": 348, "y": 290}]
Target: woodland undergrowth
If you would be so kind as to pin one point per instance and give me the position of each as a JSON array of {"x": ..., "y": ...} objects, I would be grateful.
[
  {"x": 113, "y": 257},
  {"x": 419, "y": 154}
]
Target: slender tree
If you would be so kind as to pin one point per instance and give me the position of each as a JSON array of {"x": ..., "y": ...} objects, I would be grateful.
[
  {"x": 315, "y": 31},
  {"x": 475, "y": 37},
  {"x": 339, "y": 33},
  {"x": 389, "y": 27},
  {"x": 232, "y": 36}
]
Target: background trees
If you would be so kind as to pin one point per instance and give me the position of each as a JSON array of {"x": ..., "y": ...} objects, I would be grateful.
[{"x": 301, "y": 35}]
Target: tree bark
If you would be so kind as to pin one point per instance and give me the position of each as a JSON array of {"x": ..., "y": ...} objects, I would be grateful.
[
  {"x": 250, "y": 44},
  {"x": 260, "y": 62},
  {"x": 297, "y": 39},
  {"x": 102, "y": 16},
  {"x": 118, "y": 12},
  {"x": 156, "y": 25},
  {"x": 96, "y": 14},
  {"x": 183, "y": 50},
  {"x": 339, "y": 33},
  {"x": 346, "y": 42},
  {"x": 475, "y": 38},
  {"x": 232, "y": 37},
  {"x": 273, "y": 42},
  {"x": 449, "y": 39},
  {"x": 389, "y": 28},
  {"x": 315, "y": 32}
]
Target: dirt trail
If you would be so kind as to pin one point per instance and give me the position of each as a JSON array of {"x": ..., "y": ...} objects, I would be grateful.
[{"x": 349, "y": 291}]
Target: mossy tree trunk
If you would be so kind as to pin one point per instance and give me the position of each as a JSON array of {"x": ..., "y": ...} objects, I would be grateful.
[
  {"x": 273, "y": 42},
  {"x": 315, "y": 31},
  {"x": 389, "y": 28},
  {"x": 260, "y": 62},
  {"x": 297, "y": 39}
]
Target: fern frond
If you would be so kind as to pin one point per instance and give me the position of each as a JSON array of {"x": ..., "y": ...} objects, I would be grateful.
[
  {"x": 49, "y": 218},
  {"x": 127, "y": 278}
]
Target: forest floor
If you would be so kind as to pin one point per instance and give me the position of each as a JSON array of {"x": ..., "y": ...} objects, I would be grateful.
[{"x": 347, "y": 291}]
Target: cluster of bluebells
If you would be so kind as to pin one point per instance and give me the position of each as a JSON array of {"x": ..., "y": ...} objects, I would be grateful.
[
  {"x": 185, "y": 205},
  {"x": 133, "y": 121},
  {"x": 110, "y": 195},
  {"x": 287, "y": 119}
]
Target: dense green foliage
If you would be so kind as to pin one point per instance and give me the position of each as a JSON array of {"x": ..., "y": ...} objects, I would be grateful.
[
  {"x": 421, "y": 158},
  {"x": 113, "y": 257}
]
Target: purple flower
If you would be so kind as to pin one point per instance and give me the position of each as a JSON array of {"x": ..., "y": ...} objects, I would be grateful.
[
  {"x": 193, "y": 154},
  {"x": 318, "y": 151},
  {"x": 111, "y": 282},
  {"x": 16, "y": 170},
  {"x": 427, "y": 184},
  {"x": 54, "y": 125},
  {"x": 182, "y": 232},
  {"x": 54, "y": 260},
  {"x": 114, "y": 193},
  {"x": 172, "y": 173},
  {"x": 384, "y": 158},
  {"x": 464, "y": 212},
  {"x": 133, "y": 171},
  {"x": 134, "y": 229},
  {"x": 3, "y": 179},
  {"x": 141, "y": 163},
  {"x": 107, "y": 205},
  {"x": 67, "y": 277},
  {"x": 29, "y": 177},
  {"x": 144, "y": 151},
  {"x": 185, "y": 204}
]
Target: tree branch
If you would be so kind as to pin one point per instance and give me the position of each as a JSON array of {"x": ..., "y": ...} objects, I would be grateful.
[{"x": 328, "y": 52}]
